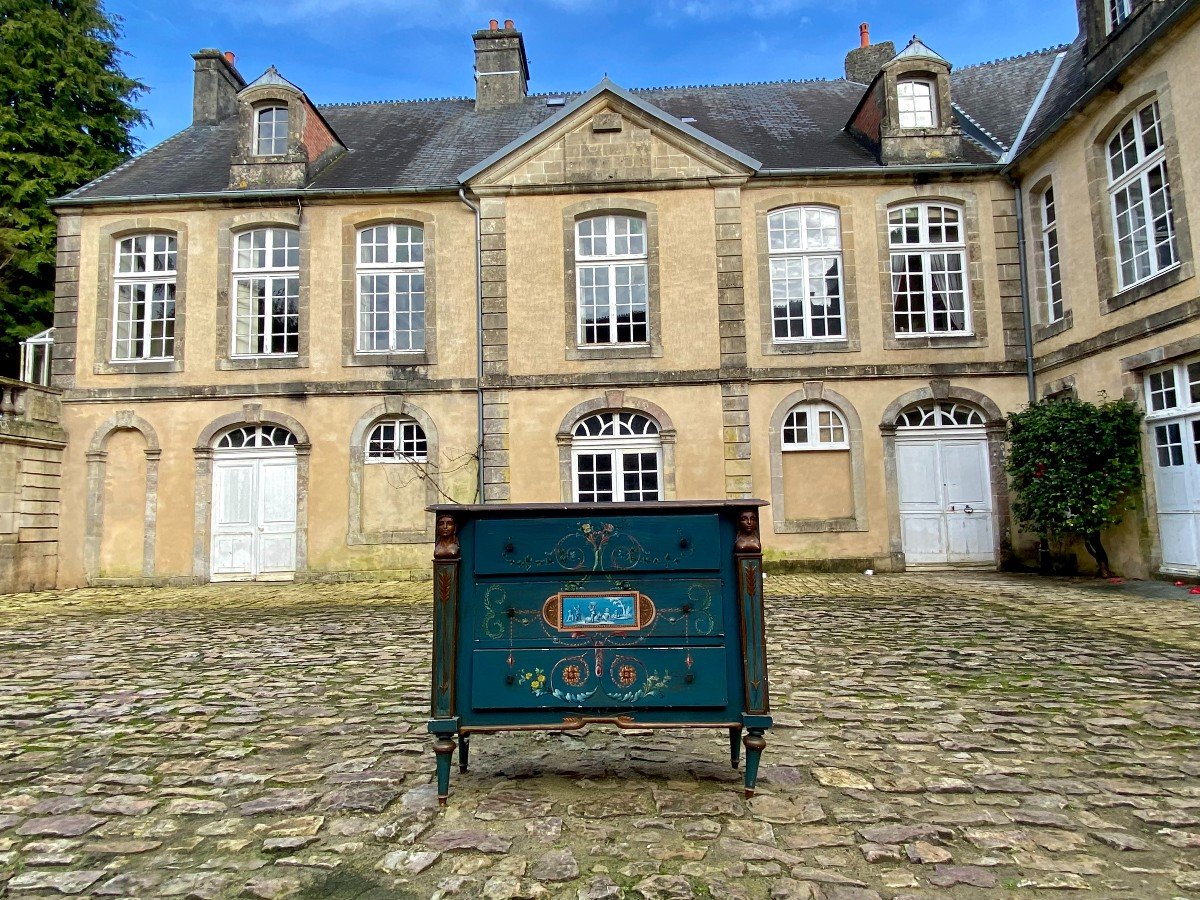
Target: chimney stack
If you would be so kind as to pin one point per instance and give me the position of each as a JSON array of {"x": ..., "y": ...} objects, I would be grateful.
[
  {"x": 864, "y": 61},
  {"x": 501, "y": 67},
  {"x": 215, "y": 87}
]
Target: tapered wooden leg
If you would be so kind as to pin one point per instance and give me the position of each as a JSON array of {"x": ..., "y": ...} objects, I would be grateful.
[
  {"x": 444, "y": 748},
  {"x": 755, "y": 744},
  {"x": 735, "y": 746},
  {"x": 463, "y": 749}
]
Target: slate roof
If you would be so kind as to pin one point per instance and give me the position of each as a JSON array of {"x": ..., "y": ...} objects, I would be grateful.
[
  {"x": 1069, "y": 84},
  {"x": 998, "y": 94},
  {"x": 427, "y": 144}
]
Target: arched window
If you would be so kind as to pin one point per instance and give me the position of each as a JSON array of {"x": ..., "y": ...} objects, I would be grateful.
[
  {"x": 814, "y": 426},
  {"x": 397, "y": 440},
  {"x": 1140, "y": 197},
  {"x": 611, "y": 280},
  {"x": 255, "y": 437},
  {"x": 805, "y": 248},
  {"x": 391, "y": 288},
  {"x": 916, "y": 106},
  {"x": 939, "y": 414},
  {"x": 144, "y": 297},
  {"x": 266, "y": 285},
  {"x": 616, "y": 457},
  {"x": 929, "y": 270},
  {"x": 271, "y": 131}
]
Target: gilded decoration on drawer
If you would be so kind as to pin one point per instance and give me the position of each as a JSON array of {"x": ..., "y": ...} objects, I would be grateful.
[{"x": 597, "y": 546}]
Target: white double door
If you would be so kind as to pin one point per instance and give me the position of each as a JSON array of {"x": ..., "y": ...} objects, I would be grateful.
[
  {"x": 254, "y": 515},
  {"x": 945, "y": 489},
  {"x": 1177, "y": 492}
]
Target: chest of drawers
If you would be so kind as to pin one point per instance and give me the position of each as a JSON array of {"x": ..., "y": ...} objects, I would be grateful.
[{"x": 556, "y": 616}]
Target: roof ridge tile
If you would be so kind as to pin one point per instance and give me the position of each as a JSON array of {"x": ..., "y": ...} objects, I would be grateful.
[{"x": 1055, "y": 48}]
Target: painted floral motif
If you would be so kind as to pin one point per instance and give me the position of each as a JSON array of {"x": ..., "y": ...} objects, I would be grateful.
[
  {"x": 572, "y": 675},
  {"x": 536, "y": 681},
  {"x": 626, "y": 676}
]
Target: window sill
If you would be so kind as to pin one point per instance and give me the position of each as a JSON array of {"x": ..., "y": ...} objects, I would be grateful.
[
  {"x": 818, "y": 526},
  {"x": 139, "y": 366},
  {"x": 1045, "y": 332},
  {"x": 1128, "y": 296},
  {"x": 615, "y": 351},
  {"x": 782, "y": 348},
  {"x": 262, "y": 362},
  {"x": 933, "y": 341},
  {"x": 389, "y": 360}
]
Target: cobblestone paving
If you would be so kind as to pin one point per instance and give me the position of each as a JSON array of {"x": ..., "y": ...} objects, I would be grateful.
[{"x": 937, "y": 737}]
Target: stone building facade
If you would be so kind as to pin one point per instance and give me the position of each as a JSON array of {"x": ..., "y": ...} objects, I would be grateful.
[{"x": 285, "y": 331}]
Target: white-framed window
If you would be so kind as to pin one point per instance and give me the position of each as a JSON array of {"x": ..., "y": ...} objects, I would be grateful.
[
  {"x": 616, "y": 457},
  {"x": 1140, "y": 194},
  {"x": 612, "y": 286},
  {"x": 391, "y": 288},
  {"x": 1050, "y": 255},
  {"x": 929, "y": 270},
  {"x": 804, "y": 244},
  {"x": 271, "y": 131},
  {"x": 397, "y": 440},
  {"x": 814, "y": 426},
  {"x": 939, "y": 414},
  {"x": 266, "y": 289},
  {"x": 915, "y": 103},
  {"x": 144, "y": 297},
  {"x": 1118, "y": 12},
  {"x": 1173, "y": 393}
]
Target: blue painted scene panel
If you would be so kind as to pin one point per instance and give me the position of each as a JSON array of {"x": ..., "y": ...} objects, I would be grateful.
[{"x": 592, "y": 610}]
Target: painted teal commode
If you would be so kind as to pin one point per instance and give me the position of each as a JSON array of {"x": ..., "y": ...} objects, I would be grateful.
[{"x": 556, "y": 616}]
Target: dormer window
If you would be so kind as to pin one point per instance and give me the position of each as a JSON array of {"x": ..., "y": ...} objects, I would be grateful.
[
  {"x": 271, "y": 131},
  {"x": 916, "y": 103},
  {"x": 1118, "y": 12}
]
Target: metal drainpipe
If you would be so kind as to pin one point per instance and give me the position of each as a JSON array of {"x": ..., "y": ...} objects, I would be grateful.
[
  {"x": 1026, "y": 314},
  {"x": 462, "y": 195}
]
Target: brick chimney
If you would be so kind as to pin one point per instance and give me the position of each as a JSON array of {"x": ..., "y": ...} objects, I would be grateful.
[
  {"x": 501, "y": 68},
  {"x": 216, "y": 86},
  {"x": 864, "y": 61}
]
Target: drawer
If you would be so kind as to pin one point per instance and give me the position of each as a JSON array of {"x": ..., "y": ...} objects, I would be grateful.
[
  {"x": 604, "y": 678},
  {"x": 671, "y": 606},
  {"x": 598, "y": 543}
]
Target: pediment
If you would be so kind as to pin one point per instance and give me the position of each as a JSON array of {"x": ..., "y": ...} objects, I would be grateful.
[{"x": 609, "y": 136}]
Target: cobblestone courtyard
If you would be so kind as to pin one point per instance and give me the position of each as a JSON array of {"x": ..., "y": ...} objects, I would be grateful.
[{"x": 936, "y": 736}]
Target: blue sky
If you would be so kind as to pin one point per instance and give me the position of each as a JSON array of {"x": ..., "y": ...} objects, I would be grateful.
[{"x": 350, "y": 50}]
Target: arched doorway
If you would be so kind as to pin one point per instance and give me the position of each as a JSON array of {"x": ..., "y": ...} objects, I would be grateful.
[
  {"x": 254, "y": 518},
  {"x": 944, "y": 484}
]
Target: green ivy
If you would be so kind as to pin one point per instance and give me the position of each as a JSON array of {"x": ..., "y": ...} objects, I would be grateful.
[{"x": 1075, "y": 468}]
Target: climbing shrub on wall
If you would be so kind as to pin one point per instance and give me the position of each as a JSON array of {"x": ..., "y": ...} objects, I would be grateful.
[{"x": 1076, "y": 467}]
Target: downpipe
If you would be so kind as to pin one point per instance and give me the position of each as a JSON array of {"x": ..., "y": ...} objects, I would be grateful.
[
  {"x": 1026, "y": 312},
  {"x": 474, "y": 207}
]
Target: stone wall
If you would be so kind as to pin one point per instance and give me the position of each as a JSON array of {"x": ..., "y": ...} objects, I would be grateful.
[{"x": 31, "y": 450}]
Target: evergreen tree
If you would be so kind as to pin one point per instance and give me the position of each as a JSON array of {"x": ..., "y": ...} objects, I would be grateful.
[{"x": 65, "y": 117}]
